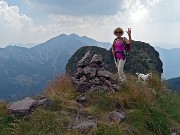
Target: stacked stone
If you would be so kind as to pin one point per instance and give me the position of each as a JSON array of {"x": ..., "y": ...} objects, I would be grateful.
[{"x": 91, "y": 75}]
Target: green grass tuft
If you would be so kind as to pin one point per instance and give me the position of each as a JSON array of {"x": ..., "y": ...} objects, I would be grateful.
[
  {"x": 158, "y": 123},
  {"x": 108, "y": 130}
]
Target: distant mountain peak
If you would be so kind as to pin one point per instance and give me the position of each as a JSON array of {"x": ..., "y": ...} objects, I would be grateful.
[
  {"x": 61, "y": 35},
  {"x": 74, "y": 35}
]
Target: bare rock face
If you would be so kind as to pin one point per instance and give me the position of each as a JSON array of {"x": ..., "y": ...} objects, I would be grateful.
[
  {"x": 92, "y": 76},
  {"x": 21, "y": 107},
  {"x": 142, "y": 58}
]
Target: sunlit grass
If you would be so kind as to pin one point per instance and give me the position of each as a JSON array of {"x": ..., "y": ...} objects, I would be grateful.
[{"x": 150, "y": 109}]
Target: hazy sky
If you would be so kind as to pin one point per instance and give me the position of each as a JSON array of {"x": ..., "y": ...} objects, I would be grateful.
[{"x": 34, "y": 21}]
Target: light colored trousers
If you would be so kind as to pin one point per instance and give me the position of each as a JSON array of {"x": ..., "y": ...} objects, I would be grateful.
[{"x": 120, "y": 66}]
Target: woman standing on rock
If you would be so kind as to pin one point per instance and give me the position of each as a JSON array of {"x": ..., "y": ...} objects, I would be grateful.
[{"x": 120, "y": 48}]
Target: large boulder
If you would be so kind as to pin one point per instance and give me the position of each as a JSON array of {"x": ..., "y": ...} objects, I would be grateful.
[
  {"x": 143, "y": 58},
  {"x": 27, "y": 105},
  {"x": 21, "y": 107}
]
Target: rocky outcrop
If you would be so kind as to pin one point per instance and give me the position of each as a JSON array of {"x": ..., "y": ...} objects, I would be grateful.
[
  {"x": 26, "y": 105},
  {"x": 143, "y": 58},
  {"x": 91, "y": 74},
  {"x": 21, "y": 107}
]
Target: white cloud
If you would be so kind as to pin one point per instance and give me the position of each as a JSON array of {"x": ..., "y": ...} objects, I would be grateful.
[
  {"x": 153, "y": 2},
  {"x": 138, "y": 12},
  {"x": 17, "y": 27},
  {"x": 144, "y": 17}
]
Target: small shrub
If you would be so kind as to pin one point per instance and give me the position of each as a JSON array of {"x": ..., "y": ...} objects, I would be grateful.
[
  {"x": 158, "y": 123},
  {"x": 44, "y": 121},
  {"x": 136, "y": 93},
  {"x": 137, "y": 119},
  {"x": 9, "y": 125},
  {"x": 108, "y": 130},
  {"x": 61, "y": 87},
  {"x": 61, "y": 90},
  {"x": 156, "y": 83},
  {"x": 99, "y": 103},
  {"x": 2, "y": 108},
  {"x": 170, "y": 103}
]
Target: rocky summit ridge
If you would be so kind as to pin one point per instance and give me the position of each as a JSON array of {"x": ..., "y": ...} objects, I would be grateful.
[
  {"x": 143, "y": 58},
  {"x": 93, "y": 102}
]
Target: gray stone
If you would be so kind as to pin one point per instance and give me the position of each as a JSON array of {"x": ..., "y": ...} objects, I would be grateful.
[
  {"x": 117, "y": 117},
  {"x": 86, "y": 125},
  {"x": 81, "y": 99},
  {"x": 95, "y": 81},
  {"x": 96, "y": 59},
  {"x": 176, "y": 133},
  {"x": 21, "y": 107},
  {"x": 113, "y": 81},
  {"x": 115, "y": 87},
  {"x": 108, "y": 83},
  {"x": 75, "y": 81},
  {"x": 40, "y": 97},
  {"x": 89, "y": 70},
  {"x": 128, "y": 130},
  {"x": 45, "y": 102},
  {"x": 78, "y": 75},
  {"x": 84, "y": 122},
  {"x": 83, "y": 86},
  {"x": 98, "y": 88},
  {"x": 79, "y": 69},
  {"x": 101, "y": 68},
  {"x": 105, "y": 73},
  {"x": 93, "y": 65},
  {"x": 83, "y": 78}
]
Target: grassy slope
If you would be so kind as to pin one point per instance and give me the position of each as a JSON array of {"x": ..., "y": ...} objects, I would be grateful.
[{"x": 150, "y": 109}]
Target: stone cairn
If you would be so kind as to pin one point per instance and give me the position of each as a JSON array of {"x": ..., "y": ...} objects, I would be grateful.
[{"x": 92, "y": 76}]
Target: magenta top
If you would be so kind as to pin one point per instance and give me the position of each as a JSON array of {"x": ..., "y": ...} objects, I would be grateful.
[{"x": 119, "y": 47}]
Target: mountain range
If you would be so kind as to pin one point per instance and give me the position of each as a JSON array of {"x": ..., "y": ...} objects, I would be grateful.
[
  {"x": 26, "y": 71},
  {"x": 171, "y": 62},
  {"x": 174, "y": 84}
]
